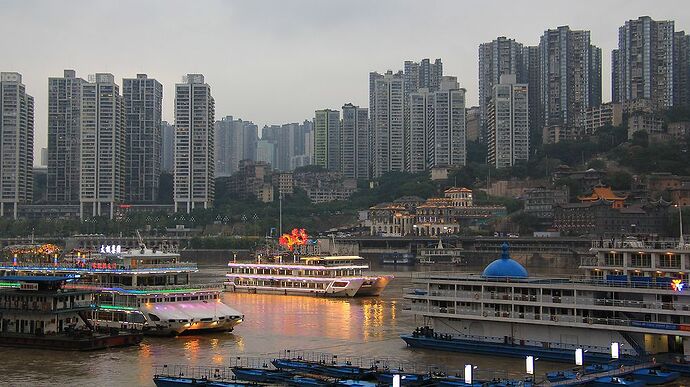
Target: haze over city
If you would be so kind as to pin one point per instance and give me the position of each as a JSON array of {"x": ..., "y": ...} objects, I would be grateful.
[{"x": 276, "y": 62}]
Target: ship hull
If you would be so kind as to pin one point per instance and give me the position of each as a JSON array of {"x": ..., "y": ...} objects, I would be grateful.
[
  {"x": 373, "y": 287},
  {"x": 500, "y": 349}
]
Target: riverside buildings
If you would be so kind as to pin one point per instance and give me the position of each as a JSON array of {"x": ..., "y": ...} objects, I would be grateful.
[
  {"x": 143, "y": 99},
  {"x": 102, "y": 182},
  {"x": 194, "y": 180},
  {"x": 508, "y": 123},
  {"x": 64, "y": 138},
  {"x": 16, "y": 144}
]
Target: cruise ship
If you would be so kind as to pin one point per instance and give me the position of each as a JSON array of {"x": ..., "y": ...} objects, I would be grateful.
[
  {"x": 331, "y": 276},
  {"x": 143, "y": 289},
  {"x": 632, "y": 295}
]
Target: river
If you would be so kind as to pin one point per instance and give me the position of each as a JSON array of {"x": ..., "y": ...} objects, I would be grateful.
[{"x": 368, "y": 328}]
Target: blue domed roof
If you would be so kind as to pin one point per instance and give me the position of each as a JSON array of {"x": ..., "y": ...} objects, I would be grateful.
[{"x": 505, "y": 267}]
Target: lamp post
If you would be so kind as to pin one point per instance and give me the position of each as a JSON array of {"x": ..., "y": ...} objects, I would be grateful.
[
  {"x": 469, "y": 368},
  {"x": 530, "y": 362},
  {"x": 615, "y": 351}
]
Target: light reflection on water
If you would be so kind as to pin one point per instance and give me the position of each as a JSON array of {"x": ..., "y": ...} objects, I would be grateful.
[{"x": 367, "y": 328}]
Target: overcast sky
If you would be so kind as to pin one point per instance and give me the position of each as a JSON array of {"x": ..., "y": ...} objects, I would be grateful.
[{"x": 277, "y": 61}]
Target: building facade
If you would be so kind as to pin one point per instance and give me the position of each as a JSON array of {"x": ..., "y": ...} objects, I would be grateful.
[
  {"x": 644, "y": 65},
  {"x": 327, "y": 139},
  {"x": 102, "y": 182},
  {"x": 509, "y": 123},
  {"x": 167, "y": 147},
  {"x": 16, "y": 144},
  {"x": 570, "y": 76},
  {"x": 235, "y": 140},
  {"x": 64, "y": 138},
  {"x": 194, "y": 181},
  {"x": 608, "y": 114},
  {"x": 354, "y": 142},
  {"x": 143, "y": 104},
  {"x": 501, "y": 56}
]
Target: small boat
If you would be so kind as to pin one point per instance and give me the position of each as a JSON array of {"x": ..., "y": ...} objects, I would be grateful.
[
  {"x": 345, "y": 371},
  {"x": 406, "y": 379},
  {"x": 655, "y": 376},
  {"x": 611, "y": 381},
  {"x": 456, "y": 381},
  {"x": 509, "y": 383},
  {"x": 261, "y": 375},
  {"x": 559, "y": 376},
  {"x": 299, "y": 381},
  {"x": 173, "y": 381},
  {"x": 356, "y": 383},
  {"x": 296, "y": 365}
]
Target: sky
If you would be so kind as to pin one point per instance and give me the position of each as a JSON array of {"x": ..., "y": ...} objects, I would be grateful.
[{"x": 275, "y": 62}]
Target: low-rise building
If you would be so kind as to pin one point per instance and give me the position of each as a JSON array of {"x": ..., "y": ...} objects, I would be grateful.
[
  {"x": 679, "y": 130},
  {"x": 604, "y": 194},
  {"x": 651, "y": 123},
  {"x": 539, "y": 202},
  {"x": 586, "y": 179},
  {"x": 600, "y": 218},
  {"x": 608, "y": 114},
  {"x": 251, "y": 179},
  {"x": 325, "y": 186},
  {"x": 285, "y": 183}
]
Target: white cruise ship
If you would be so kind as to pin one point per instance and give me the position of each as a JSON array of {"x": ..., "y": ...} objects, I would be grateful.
[
  {"x": 141, "y": 289},
  {"x": 332, "y": 276},
  {"x": 633, "y": 294}
]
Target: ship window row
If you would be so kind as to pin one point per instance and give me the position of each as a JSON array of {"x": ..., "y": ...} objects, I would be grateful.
[
  {"x": 201, "y": 297},
  {"x": 281, "y": 284},
  {"x": 308, "y": 273}
]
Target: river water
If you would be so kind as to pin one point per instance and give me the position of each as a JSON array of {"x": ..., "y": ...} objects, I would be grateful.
[{"x": 355, "y": 328}]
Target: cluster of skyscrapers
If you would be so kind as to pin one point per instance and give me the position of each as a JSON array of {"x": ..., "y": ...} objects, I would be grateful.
[
  {"x": 553, "y": 84},
  {"x": 108, "y": 145}
]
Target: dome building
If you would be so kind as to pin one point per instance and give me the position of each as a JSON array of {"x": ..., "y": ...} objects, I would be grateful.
[{"x": 504, "y": 267}]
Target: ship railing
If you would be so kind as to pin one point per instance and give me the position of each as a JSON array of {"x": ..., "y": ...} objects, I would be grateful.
[
  {"x": 665, "y": 244},
  {"x": 564, "y": 282},
  {"x": 143, "y": 288},
  {"x": 99, "y": 266}
]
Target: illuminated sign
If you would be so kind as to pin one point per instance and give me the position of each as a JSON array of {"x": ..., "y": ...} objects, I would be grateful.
[
  {"x": 298, "y": 237},
  {"x": 111, "y": 249},
  {"x": 677, "y": 285}
]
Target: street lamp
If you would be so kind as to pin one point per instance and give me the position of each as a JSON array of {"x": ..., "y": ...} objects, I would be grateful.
[
  {"x": 530, "y": 362},
  {"x": 468, "y": 373},
  {"x": 615, "y": 351}
]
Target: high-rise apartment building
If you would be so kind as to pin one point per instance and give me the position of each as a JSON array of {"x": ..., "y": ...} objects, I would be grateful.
[
  {"x": 327, "y": 139},
  {"x": 437, "y": 135},
  {"x": 387, "y": 122},
  {"x": 509, "y": 123},
  {"x": 64, "y": 138},
  {"x": 354, "y": 142},
  {"x": 235, "y": 141},
  {"x": 167, "y": 147},
  {"x": 570, "y": 78},
  {"x": 644, "y": 67},
  {"x": 102, "y": 182},
  {"x": 143, "y": 104},
  {"x": 498, "y": 57},
  {"x": 682, "y": 58},
  {"x": 16, "y": 144},
  {"x": 194, "y": 180},
  {"x": 266, "y": 152}
]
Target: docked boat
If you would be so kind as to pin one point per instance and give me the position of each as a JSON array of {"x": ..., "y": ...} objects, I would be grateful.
[
  {"x": 40, "y": 312},
  {"x": 406, "y": 378},
  {"x": 441, "y": 254},
  {"x": 653, "y": 376},
  {"x": 178, "y": 381},
  {"x": 138, "y": 289},
  {"x": 261, "y": 375},
  {"x": 634, "y": 296},
  {"x": 331, "y": 276}
]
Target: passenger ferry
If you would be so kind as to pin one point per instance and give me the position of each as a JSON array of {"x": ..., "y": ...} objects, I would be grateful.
[
  {"x": 142, "y": 289},
  {"x": 332, "y": 276},
  {"x": 630, "y": 294}
]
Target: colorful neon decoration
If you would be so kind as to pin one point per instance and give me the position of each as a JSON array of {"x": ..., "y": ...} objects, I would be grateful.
[
  {"x": 677, "y": 285},
  {"x": 297, "y": 237}
]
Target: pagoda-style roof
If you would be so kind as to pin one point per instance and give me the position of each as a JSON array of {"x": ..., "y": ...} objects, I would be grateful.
[
  {"x": 602, "y": 193},
  {"x": 457, "y": 190}
]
